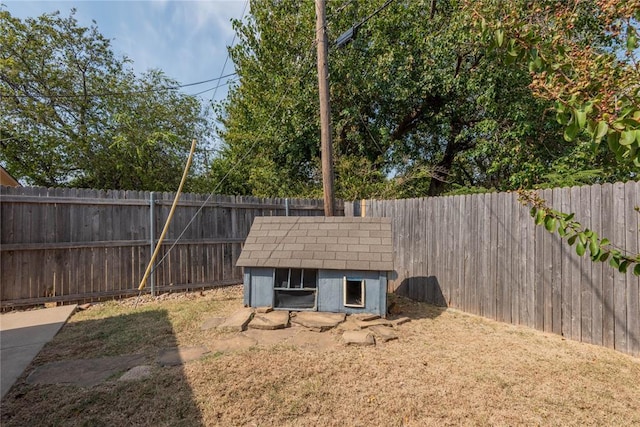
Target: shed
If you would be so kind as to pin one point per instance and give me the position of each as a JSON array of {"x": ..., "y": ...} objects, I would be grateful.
[{"x": 331, "y": 264}]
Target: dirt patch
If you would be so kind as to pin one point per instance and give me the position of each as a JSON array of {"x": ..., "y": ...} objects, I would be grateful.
[{"x": 446, "y": 368}]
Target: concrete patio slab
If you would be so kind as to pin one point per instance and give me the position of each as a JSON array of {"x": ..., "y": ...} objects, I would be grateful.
[{"x": 22, "y": 336}]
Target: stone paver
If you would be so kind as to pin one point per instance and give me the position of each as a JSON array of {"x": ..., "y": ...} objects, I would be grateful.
[
  {"x": 364, "y": 316},
  {"x": 83, "y": 372},
  {"x": 179, "y": 355},
  {"x": 264, "y": 309},
  {"x": 363, "y": 337},
  {"x": 237, "y": 322},
  {"x": 212, "y": 322},
  {"x": 377, "y": 322},
  {"x": 318, "y": 321},
  {"x": 270, "y": 321},
  {"x": 136, "y": 373},
  {"x": 271, "y": 338},
  {"x": 235, "y": 343},
  {"x": 400, "y": 321},
  {"x": 383, "y": 333}
]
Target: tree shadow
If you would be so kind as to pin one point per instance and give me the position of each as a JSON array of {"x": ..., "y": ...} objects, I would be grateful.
[
  {"x": 415, "y": 290},
  {"x": 77, "y": 377}
]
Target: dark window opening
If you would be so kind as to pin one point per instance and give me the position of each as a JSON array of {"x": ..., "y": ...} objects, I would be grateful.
[
  {"x": 294, "y": 299},
  {"x": 282, "y": 278},
  {"x": 295, "y": 288},
  {"x": 354, "y": 292},
  {"x": 295, "y": 278},
  {"x": 310, "y": 279}
]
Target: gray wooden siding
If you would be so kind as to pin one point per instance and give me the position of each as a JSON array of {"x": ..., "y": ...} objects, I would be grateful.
[{"x": 330, "y": 291}]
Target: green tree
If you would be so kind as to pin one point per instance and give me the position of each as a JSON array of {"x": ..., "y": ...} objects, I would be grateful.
[
  {"x": 74, "y": 114},
  {"x": 420, "y": 106},
  {"x": 584, "y": 56}
]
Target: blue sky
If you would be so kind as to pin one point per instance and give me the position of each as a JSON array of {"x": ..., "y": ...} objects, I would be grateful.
[{"x": 185, "y": 39}]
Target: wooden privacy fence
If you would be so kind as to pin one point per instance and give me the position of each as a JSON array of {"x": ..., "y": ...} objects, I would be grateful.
[
  {"x": 483, "y": 254},
  {"x": 73, "y": 245}
]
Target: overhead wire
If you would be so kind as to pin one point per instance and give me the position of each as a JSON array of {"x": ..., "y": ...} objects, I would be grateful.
[{"x": 126, "y": 93}]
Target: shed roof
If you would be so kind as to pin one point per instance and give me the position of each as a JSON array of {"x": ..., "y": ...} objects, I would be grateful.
[{"x": 332, "y": 243}]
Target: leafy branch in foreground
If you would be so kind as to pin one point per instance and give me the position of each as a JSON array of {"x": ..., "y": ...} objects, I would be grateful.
[{"x": 600, "y": 249}]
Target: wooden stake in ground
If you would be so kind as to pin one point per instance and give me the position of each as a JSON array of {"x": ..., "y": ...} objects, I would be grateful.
[{"x": 143, "y": 282}]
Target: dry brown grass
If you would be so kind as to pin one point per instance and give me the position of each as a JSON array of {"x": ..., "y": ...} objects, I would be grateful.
[{"x": 447, "y": 368}]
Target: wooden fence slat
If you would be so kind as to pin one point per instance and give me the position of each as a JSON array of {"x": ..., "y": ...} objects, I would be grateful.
[
  {"x": 575, "y": 275},
  {"x": 619, "y": 282},
  {"x": 632, "y": 246}
]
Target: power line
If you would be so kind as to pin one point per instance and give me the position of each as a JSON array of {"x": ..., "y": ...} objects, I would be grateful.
[
  {"x": 108, "y": 94},
  {"x": 234, "y": 166}
]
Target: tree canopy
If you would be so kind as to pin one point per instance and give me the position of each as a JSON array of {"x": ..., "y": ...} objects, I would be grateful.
[
  {"x": 75, "y": 114},
  {"x": 422, "y": 104}
]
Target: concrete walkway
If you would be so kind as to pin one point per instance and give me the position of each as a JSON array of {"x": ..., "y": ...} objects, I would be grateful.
[{"x": 22, "y": 336}]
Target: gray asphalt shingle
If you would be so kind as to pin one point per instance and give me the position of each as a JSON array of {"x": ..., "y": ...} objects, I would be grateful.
[{"x": 334, "y": 243}]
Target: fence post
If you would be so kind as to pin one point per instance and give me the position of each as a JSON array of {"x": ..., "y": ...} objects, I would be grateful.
[{"x": 152, "y": 239}]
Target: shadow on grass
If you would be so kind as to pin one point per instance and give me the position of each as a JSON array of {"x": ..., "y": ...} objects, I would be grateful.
[
  {"x": 75, "y": 380},
  {"x": 412, "y": 290}
]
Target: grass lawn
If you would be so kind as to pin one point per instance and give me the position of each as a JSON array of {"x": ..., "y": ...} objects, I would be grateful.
[{"x": 446, "y": 368}]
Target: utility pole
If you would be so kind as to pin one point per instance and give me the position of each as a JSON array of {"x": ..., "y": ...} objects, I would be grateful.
[{"x": 326, "y": 147}]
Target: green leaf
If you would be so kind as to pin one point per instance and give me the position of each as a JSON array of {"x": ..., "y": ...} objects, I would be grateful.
[
  {"x": 604, "y": 242},
  {"x": 614, "y": 261},
  {"x": 636, "y": 270},
  {"x": 594, "y": 248},
  {"x": 583, "y": 238},
  {"x": 499, "y": 33},
  {"x": 571, "y": 240},
  {"x": 603, "y": 256},
  {"x": 533, "y": 211},
  {"x": 569, "y": 217},
  {"x": 601, "y": 130},
  {"x": 627, "y": 137},
  {"x": 613, "y": 141},
  {"x": 581, "y": 118},
  {"x": 580, "y": 249},
  {"x": 623, "y": 266},
  {"x": 540, "y": 217},
  {"x": 550, "y": 223},
  {"x": 570, "y": 132},
  {"x": 632, "y": 42}
]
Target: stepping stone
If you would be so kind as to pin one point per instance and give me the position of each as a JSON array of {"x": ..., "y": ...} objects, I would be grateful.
[
  {"x": 349, "y": 325},
  {"x": 376, "y": 322},
  {"x": 136, "y": 373},
  {"x": 400, "y": 321},
  {"x": 270, "y": 338},
  {"x": 264, "y": 309},
  {"x": 237, "y": 322},
  {"x": 235, "y": 343},
  {"x": 318, "y": 321},
  {"x": 363, "y": 337},
  {"x": 83, "y": 372},
  {"x": 383, "y": 333},
  {"x": 179, "y": 355},
  {"x": 365, "y": 317},
  {"x": 270, "y": 321},
  {"x": 212, "y": 322}
]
